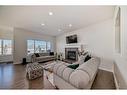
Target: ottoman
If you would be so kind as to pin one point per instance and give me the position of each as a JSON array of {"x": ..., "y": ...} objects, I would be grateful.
[{"x": 34, "y": 70}]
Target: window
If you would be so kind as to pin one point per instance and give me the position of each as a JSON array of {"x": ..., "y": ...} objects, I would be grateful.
[
  {"x": 30, "y": 46},
  {"x": 5, "y": 47},
  {"x": 48, "y": 46},
  {"x": 38, "y": 46},
  {"x": 0, "y": 46},
  {"x": 117, "y": 32},
  {"x": 44, "y": 49}
]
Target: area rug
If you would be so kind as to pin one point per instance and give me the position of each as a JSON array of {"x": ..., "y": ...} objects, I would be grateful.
[
  {"x": 48, "y": 66},
  {"x": 49, "y": 76}
]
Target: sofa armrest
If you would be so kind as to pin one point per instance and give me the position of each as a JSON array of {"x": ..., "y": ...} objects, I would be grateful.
[
  {"x": 80, "y": 79},
  {"x": 33, "y": 58}
]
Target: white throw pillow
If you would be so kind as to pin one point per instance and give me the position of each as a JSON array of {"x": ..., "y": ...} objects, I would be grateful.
[{"x": 82, "y": 58}]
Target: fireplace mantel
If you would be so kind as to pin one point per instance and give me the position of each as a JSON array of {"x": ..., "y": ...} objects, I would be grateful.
[{"x": 79, "y": 46}]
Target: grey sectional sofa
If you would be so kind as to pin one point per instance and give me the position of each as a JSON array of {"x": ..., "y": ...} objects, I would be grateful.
[
  {"x": 79, "y": 78},
  {"x": 42, "y": 57}
]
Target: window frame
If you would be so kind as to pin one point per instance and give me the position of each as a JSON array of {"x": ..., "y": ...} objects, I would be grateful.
[
  {"x": 35, "y": 46},
  {"x": 2, "y": 46}
]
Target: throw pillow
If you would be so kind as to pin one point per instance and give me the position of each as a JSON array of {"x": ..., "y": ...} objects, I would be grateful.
[
  {"x": 37, "y": 55},
  {"x": 87, "y": 58},
  {"x": 51, "y": 53},
  {"x": 74, "y": 66},
  {"x": 82, "y": 58},
  {"x": 85, "y": 53}
]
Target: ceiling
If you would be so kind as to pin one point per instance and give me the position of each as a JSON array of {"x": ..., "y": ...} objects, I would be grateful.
[{"x": 31, "y": 17}]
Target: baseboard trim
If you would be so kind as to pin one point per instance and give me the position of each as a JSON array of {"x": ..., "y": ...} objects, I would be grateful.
[
  {"x": 17, "y": 63},
  {"x": 7, "y": 62},
  {"x": 115, "y": 80},
  {"x": 105, "y": 69}
]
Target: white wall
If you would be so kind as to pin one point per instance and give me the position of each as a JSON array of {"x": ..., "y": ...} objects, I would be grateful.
[
  {"x": 20, "y": 42},
  {"x": 6, "y": 33},
  {"x": 121, "y": 58},
  {"x": 99, "y": 41}
]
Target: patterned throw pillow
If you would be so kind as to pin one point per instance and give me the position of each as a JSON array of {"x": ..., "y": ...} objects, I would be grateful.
[
  {"x": 87, "y": 58},
  {"x": 37, "y": 55}
]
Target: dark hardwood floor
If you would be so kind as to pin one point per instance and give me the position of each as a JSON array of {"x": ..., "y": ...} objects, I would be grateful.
[
  {"x": 104, "y": 80},
  {"x": 14, "y": 77}
]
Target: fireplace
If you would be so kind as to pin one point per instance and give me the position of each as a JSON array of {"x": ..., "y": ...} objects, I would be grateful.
[{"x": 71, "y": 54}]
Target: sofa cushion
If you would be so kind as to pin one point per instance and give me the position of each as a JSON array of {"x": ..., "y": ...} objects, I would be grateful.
[
  {"x": 55, "y": 67},
  {"x": 44, "y": 54},
  {"x": 66, "y": 73},
  {"x": 44, "y": 58},
  {"x": 60, "y": 70},
  {"x": 79, "y": 79},
  {"x": 50, "y": 66},
  {"x": 73, "y": 66}
]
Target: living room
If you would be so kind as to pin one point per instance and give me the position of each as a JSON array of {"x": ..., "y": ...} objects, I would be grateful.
[{"x": 49, "y": 34}]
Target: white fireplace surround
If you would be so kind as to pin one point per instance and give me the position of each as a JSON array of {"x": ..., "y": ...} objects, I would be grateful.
[{"x": 79, "y": 46}]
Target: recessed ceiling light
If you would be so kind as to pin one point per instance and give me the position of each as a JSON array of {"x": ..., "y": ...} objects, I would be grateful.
[
  {"x": 70, "y": 25},
  {"x": 43, "y": 24},
  {"x": 59, "y": 29},
  {"x": 50, "y": 13}
]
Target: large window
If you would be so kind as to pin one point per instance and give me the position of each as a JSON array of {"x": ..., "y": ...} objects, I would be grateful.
[
  {"x": 38, "y": 46},
  {"x": 30, "y": 46},
  {"x": 48, "y": 46},
  {"x": 5, "y": 47},
  {"x": 44, "y": 49},
  {"x": 0, "y": 46}
]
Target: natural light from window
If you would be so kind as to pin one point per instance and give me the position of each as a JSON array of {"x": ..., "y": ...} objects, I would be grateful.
[
  {"x": 38, "y": 46},
  {"x": 30, "y": 46},
  {"x": 48, "y": 46},
  {"x": 5, "y": 47},
  {"x": 0, "y": 47}
]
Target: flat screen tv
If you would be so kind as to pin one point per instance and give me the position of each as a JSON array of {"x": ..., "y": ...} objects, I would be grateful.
[{"x": 71, "y": 39}]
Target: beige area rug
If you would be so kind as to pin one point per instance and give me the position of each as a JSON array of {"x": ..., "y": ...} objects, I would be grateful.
[
  {"x": 47, "y": 71},
  {"x": 49, "y": 76}
]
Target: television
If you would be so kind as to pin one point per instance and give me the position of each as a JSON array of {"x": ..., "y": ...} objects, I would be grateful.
[{"x": 71, "y": 39}]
